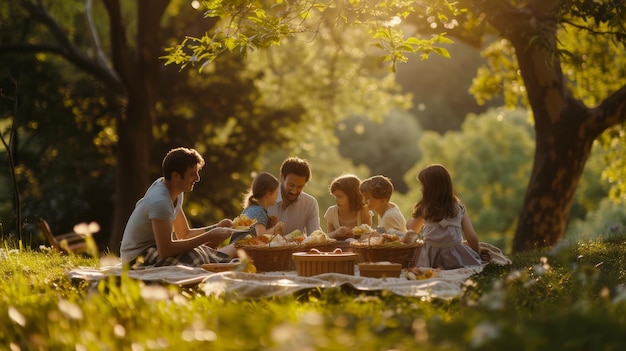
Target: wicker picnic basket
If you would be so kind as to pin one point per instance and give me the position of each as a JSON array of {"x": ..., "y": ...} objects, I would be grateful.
[
  {"x": 327, "y": 246},
  {"x": 314, "y": 262},
  {"x": 406, "y": 254},
  {"x": 271, "y": 258}
]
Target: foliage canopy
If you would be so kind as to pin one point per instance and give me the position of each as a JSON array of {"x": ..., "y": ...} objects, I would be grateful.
[{"x": 251, "y": 25}]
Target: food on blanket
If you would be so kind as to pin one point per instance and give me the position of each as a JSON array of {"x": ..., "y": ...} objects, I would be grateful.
[
  {"x": 411, "y": 237},
  {"x": 415, "y": 273},
  {"x": 394, "y": 238},
  {"x": 243, "y": 222},
  {"x": 318, "y": 237},
  {"x": 252, "y": 240},
  {"x": 369, "y": 241},
  {"x": 299, "y": 239},
  {"x": 296, "y": 236},
  {"x": 275, "y": 240},
  {"x": 362, "y": 229},
  {"x": 269, "y": 240},
  {"x": 390, "y": 237}
]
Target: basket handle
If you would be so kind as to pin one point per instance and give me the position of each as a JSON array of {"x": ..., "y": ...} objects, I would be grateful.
[
  {"x": 275, "y": 232},
  {"x": 335, "y": 251}
]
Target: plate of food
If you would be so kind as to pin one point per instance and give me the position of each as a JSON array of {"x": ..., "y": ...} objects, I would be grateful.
[
  {"x": 239, "y": 229},
  {"x": 243, "y": 222},
  {"x": 361, "y": 229}
]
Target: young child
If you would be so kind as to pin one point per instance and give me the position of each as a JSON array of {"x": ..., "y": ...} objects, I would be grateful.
[
  {"x": 259, "y": 197},
  {"x": 349, "y": 211},
  {"x": 445, "y": 222},
  {"x": 377, "y": 192}
]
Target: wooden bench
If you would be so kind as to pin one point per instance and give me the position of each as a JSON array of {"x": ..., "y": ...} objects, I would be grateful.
[{"x": 68, "y": 243}]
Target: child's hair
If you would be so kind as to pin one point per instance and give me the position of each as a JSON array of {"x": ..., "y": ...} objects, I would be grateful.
[
  {"x": 349, "y": 184},
  {"x": 380, "y": 187},
  {"x": 262, "y": 184},
  {"x": 179, "y": 160},
  {"x": 297, "y": 166},
  {"x": 438, "y": 196}
]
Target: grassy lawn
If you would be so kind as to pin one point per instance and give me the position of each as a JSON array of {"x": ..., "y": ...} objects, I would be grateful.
[{"x": 572, "y": 300}]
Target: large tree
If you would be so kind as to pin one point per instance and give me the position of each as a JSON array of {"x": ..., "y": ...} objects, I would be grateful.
[
  {"x": 566, "y": 125},
  {"x": 566, "y": 122}
]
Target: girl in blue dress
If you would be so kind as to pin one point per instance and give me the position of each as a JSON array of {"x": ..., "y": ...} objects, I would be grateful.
[{"x": 259, "y": 197}]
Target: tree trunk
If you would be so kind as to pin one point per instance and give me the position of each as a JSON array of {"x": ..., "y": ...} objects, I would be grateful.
[
  {"x": 562, "y": 142},
  {"x": 139, "y": 72},
  {"x": 565, "y": 127},
  {"x": 560, "y": 158},
  {"x": 133, "y": 157}
]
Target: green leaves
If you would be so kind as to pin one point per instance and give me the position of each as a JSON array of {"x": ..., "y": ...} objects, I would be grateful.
[{"x": 249, "y": 25}]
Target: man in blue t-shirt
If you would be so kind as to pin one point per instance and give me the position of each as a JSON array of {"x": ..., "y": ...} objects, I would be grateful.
[{"x": 157, "y": 232}]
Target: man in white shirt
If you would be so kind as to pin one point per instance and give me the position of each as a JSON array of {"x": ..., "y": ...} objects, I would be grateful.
[
  {"x": 157, "y": 232},
  {"x": 295, "y": 208}
]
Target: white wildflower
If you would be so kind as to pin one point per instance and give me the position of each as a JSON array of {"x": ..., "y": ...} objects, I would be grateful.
[
  {"x": 155, "y": 293},
  {"x": 563, "y": 244},
  {"x": 44, "y": 248},
  {"x": 16, "y": 316},
  {"x": 495, "y": 299},
  {"x": 483, "y": 333},
  {"x": 514, "y": 275},
  {"x": 109, "y": 260},
  {"x": 70, "y": 310},
  {"x": 538, "y": 269},
  {"x": 470, "y": 282},
  {"x": 119, "y": 331},
  {"x": 87, "y": 229},
  {"x": 529, "y": 283},
  {"x": 620, "y": 294}
]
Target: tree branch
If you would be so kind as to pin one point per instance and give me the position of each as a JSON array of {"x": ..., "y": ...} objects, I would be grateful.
[
  {"x": 610, "y": 112},
  {"x": 122, "y": 61},
  {"x": 27, "y": 49},
  {"x": 70, "y": 52},
  {"x": 100, "y": 57}
]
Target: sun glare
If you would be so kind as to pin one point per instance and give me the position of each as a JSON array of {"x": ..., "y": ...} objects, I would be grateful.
[{"x": 396, "y": 20}]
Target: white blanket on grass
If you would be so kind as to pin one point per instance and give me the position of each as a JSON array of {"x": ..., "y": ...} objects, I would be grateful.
[
  {"x": 178, "y": 275},
  {"x": 232, "y": 285},
  {"x": 446, "y": 284}
]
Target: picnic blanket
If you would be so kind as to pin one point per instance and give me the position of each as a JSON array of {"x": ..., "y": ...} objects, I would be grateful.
[
  {"x": 177, "y": 275},
  {"x": 233, "y": 285},
  {"x": 446, "y": 284}
]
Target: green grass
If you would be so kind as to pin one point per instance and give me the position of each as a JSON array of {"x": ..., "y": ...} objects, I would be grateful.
[{"x": 574, "y": 300}]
